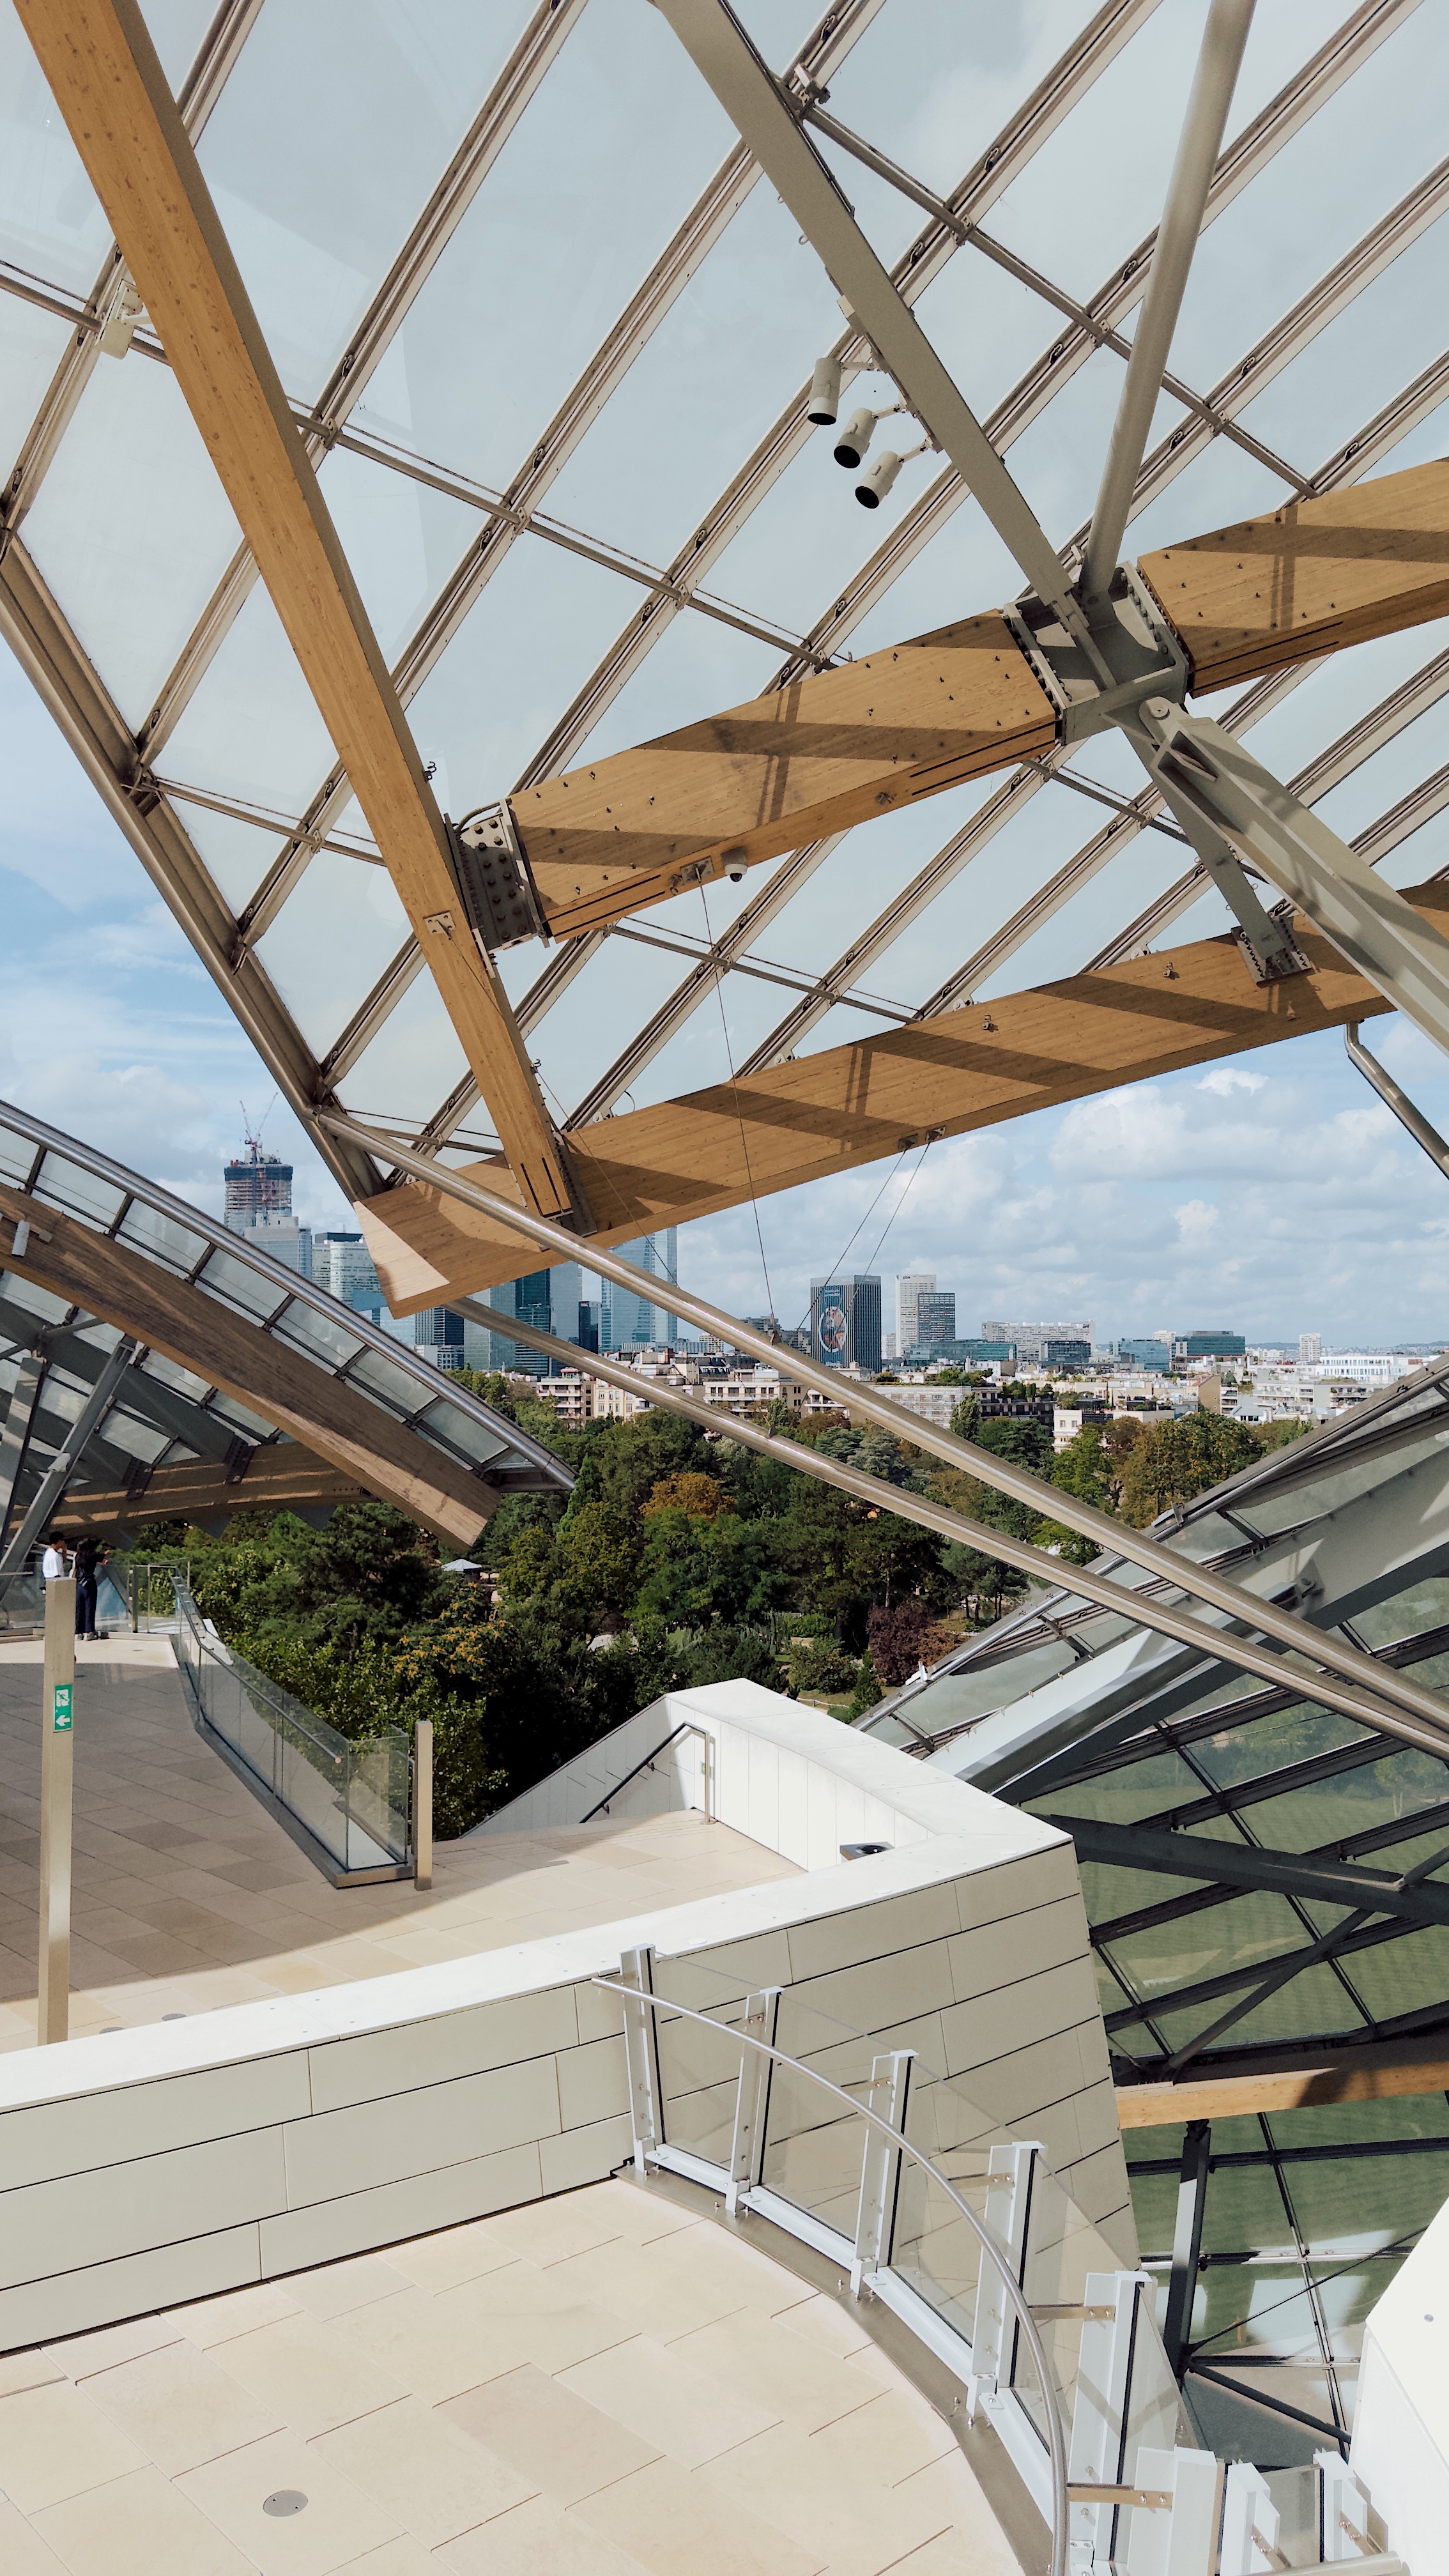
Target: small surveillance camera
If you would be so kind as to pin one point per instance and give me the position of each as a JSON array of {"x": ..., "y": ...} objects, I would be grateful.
[
  {"x": 855, "y": 438},
  {"x": 877, "y": 479},
  {"x": 824, "y": 404},
  {"x": 734, "y": 866}
]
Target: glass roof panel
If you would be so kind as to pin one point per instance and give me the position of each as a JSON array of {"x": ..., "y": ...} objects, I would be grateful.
[
  {"x": 325, "y": 145},
  {"x": 131, "y": 528},
  {"x": 162, "y": 1237},
  {"x": 338, "y": 929},
  {"x": 51, "y": 224},
  {"x": 600, "y": 169},
  {"x": 251, "y": 728},
  {"x": 31, "y": 346},
  {"x": 402, "y": 539}
]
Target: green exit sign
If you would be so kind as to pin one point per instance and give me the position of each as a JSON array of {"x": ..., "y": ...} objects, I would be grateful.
[{"x": 60, "y": 1715}]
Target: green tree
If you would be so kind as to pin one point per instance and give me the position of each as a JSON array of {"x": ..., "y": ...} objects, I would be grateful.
[{"x": 1173, "y": 1461}]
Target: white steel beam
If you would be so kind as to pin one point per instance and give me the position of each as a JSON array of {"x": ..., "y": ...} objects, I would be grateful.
[
  {"x": 1214, "y": 82},
  {"x": 1337, "y": 1663},
  {"x": 757, "y": 105},
  {"x": 1200, "y": 764}
]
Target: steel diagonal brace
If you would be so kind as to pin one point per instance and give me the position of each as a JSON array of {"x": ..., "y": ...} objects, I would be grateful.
[{"x": 1203, "y": 771}]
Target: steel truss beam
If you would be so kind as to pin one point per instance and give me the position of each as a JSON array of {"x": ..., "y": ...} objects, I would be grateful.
[
  {"x": 21, "y": 1417},
  {"x": 1245, "y": 1865},
  {"x": 1368, "y": 921},
  {"x": 103, "y": 1396}
]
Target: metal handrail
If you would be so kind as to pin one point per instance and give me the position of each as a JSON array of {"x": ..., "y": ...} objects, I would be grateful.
[
  {"x": 685, "y": 1727},
  {"x": 1056, "y": 2431}
]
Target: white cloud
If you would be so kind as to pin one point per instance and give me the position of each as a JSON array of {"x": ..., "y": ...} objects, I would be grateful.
[{"x": 1225, "y": 1079}]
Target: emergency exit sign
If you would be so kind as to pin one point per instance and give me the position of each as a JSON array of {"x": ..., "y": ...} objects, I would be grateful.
[{"x": 60, "y": 1714}]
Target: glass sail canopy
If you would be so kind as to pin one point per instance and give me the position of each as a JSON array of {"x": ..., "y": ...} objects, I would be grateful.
[
  {"x": 549, "y": 337},
  {"x": 1265, "y": 1880}
]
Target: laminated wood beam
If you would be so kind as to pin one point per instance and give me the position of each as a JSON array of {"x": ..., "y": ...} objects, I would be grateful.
[
  {"x": 1387, "y": 2070},
  {"x": 336, "y": 1422},
  {"x": 806, "y": 760},
  {"x": 1309, "y": 578},
  {"x": 109, "y": 87},
  {"x": 281, "y": 1477},
  {"x": 854, "y": 1104}
]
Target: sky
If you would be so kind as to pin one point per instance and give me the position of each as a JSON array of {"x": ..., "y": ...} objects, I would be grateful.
[{"x": 1274, "y": 1195}]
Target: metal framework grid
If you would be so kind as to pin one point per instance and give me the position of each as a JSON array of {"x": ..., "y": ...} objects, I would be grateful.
[{"x": 191, "y": 826}]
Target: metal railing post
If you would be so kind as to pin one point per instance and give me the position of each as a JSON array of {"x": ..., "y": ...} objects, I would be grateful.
[
  {"x": 760, "y": 2019},
  {"x": 641, "y": 2055},
  {"x": 1192, "y": 2484},
  {"x": 1097, "y": 2452},
  {"x": 423, "y": 1803},
  {"x": 880, "y": 2169},
  {"x": 634, "y": 1989},
  {"x": 57, "y": 1762},
  {"x": 1250, "y": 2523},
  {"x": 1011, "y": 2173}
]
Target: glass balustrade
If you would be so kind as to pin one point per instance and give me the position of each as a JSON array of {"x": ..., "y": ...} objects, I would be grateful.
[{"x": 351, "y": 1798}]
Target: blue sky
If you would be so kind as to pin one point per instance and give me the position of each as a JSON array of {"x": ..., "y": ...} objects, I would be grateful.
[{"x": 1272, "y": 1193}]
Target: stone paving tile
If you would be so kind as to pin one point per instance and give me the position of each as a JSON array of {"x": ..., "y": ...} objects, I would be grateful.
[{"x": 451, "y": 2406}]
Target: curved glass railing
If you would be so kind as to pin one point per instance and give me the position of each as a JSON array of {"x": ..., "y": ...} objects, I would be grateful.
[
  {"x": 351, "y": 1800},
  {"x": 960, "y": 2228}
]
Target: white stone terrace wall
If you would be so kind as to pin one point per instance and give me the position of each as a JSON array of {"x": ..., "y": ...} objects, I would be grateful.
[
  {"x": 1400, "y": 2447},
  {"x": 165, "y": 2164}
]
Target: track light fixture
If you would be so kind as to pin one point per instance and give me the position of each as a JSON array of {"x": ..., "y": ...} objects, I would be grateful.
[
  {"x": 877, "y": 479},
  {"x": 856, "y": 436},
  {"x": 824, "y": 404}
]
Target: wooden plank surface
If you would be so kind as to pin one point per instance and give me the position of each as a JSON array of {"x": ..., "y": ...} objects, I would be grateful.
[
  {"x": 856, "y": 1104},
  {"x": 110, "y": 89},
  {"x": 1369, "y": 2074},
  {"x": 816, "y": 757},
  {"x": 1310, "y": 577},
  {"x": 337, "y": 1423},
  {"x": 281, "y": 1477}
]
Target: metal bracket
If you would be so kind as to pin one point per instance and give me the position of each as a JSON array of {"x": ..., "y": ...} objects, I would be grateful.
[
  {"x": 1426, "y": 1137},
  {"x": 760, "y": 2018},
  {"x": 641, "y": 2055},
  {"x": 494, "y": 880},
  {"x": 880, "y": 2172},
  {"x": 1138, "y": 647}
]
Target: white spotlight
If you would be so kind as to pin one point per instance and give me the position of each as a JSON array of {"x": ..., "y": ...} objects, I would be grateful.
[
  {"x": 824, "y": 404},
  {"x": 877, "y": 479},
  {"x": 855, "y": 438}
]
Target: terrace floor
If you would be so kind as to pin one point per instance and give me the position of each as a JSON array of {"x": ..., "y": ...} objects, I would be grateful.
[
  {"x": 188, "y": 1896},
  {"x": 601, "y": 2384}
]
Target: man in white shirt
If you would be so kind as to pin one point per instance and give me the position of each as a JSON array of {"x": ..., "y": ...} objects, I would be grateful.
[{"x": 53, "y": 1564}]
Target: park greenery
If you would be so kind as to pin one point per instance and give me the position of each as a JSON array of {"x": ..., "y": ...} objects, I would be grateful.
[{"x": 679, "y": 1558}]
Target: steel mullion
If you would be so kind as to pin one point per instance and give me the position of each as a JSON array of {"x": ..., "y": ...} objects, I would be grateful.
[
  {"x": 1294, "y": 331},
  {"x": 837, "y": 32},
  {"x": 1315, "y": 2305},
  {"x": 553, "y": 21},
  {"x": 198, "y": 95},
  {"x": 987, "y": 180}
]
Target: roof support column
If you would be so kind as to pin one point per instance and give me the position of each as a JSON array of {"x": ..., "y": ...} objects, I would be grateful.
[{"x": 1187, "y": 2243}]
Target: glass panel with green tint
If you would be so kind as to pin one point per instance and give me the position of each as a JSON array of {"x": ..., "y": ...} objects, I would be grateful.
[
  {"x": 1399, "y": 1975},
  {"x": 1405, "y": 1614},
  {"x": 1122, "y": 1798},
  {"x": 1247, "y": 1750},
  {"x": 1319, "y": 1812},
  {"x": 1253, "y": 1930},
  {"x": 1311, "y": 2004}
]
